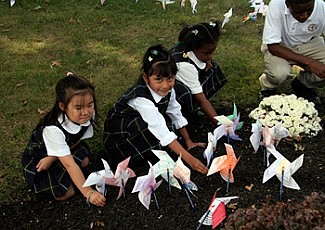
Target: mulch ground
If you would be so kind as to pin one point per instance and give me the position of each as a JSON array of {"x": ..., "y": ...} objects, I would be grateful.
[{"x": 175, "y": 210}]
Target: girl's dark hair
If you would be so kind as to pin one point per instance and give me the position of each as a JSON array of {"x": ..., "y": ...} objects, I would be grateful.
[
  {"x": 293, "y": 2},
  {"x": 65, "y": 89},
  {"x": 195, "y": 36},
  {"x": 158, "y": 60}
]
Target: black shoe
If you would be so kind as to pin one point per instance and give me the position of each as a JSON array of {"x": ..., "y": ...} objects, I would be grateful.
[
  {"x": 309, "y": 94},
  {"x": 266, "y": 93}
]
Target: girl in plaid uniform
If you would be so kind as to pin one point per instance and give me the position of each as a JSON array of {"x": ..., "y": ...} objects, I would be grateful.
[
  {"x": 145, "y": 116},
  {"x": 55, "y": 153},
  {"x": 198, "y": 76}
]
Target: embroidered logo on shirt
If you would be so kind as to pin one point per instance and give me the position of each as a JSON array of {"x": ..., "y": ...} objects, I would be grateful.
[{"x": 312, "y": 27}]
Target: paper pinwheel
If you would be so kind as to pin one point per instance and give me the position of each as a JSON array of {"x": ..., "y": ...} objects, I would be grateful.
[
  {"x": 255, "y": 138},
  {"x": 165, "y": 2},
  {"x": 122, "y": 174},
  {"x": 251, "y": 16},
  {"x": 193, "y": 5},
  {"x": 225, "y": 165},
  {"x": 216, "y": 212},
  {"x": 146, "y": 186},
  {"x": 233, "y": 117},
  {"x": 98, "y": 178},
  {"x": 183, "y": 173},
  {"x": 165, "y": 167},
  {"x": 228, "y": 127},
  {"x": 272, "y": 136},
  {"x": 282, "y": 164},
  {"x": 212, "y": 143},
  {"x": 227, "y": 16},
  {"x": 12, "y": 2}
]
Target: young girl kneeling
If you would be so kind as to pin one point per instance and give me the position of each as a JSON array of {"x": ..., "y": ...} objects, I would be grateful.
[
  {"x": 55, "y": 153},
  {"x": 145, "y": 116}
]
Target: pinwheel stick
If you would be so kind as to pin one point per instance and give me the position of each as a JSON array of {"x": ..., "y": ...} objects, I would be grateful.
[
  {"x": 155, "y": 197},
  {"x": 168, "y": 180},
  {"x": 189, "y": 197},
  {"x": 281, "y": 184},
  {"x": 264, "y": 152},
  {"x": 205, "y": 216},
  {"x": 228, "y": 181},
  {"x": 123, "y": 188}
]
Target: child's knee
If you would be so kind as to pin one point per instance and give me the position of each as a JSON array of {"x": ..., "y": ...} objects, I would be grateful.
[{"x": 85, "y": 162}]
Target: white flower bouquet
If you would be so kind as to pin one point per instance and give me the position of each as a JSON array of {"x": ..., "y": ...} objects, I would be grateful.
[{"x": 296, "y": 114}]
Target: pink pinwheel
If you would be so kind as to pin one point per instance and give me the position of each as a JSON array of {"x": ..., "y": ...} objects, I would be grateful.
[
  {"x": 146, "y": 186},
  {"x": 225, "y": 164},
  {"x": 122, "y": 174},
  {"x": 183, "y": 173},
  {"x": 272, "y": 136},
  {"x": 216, "y": 212}
]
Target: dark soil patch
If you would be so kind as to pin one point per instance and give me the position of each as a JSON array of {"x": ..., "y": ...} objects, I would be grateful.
[{"x": 175, "y": 211}]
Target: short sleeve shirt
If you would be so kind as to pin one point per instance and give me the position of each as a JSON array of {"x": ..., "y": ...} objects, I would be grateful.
[
  {"x": 54, "y": 137},
  {"x": 281, "y": 27},
  {"x": 188, "y": 74}
]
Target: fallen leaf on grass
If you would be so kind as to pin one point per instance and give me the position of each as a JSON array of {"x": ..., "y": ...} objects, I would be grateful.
[
  {"x": 19, "y": 84},
  {"x": 41, "y": 111},
  {"x": 55, "y": 64}
]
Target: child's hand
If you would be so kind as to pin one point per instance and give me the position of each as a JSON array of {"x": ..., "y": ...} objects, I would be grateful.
[
  {"x": 45, "y": 163},
  {"x": 96, "y": 198},
  {"x": 197, "y": 165},
  {"x": 190, "y": 144},
  {"x": 208, "y": 65}
]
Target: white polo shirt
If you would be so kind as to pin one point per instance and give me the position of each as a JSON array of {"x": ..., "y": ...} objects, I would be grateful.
[
  {"x": 188, "y": 74},
  {"x": 281, "y": 27}
]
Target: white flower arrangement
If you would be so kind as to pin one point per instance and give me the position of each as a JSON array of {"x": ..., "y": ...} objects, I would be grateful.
[{"x": 296, "y": 114}]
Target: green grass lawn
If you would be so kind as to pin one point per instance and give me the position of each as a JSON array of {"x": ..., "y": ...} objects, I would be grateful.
[{"x": 40, "y": 40}]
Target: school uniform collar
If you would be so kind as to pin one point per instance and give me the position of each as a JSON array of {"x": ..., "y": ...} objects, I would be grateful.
[
  {"x": 197, "y": 62},
  {"x": 155, "y": 96},
  {"x": 69, "y": 126}
]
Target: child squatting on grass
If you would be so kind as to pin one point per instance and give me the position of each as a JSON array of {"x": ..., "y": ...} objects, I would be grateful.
[
  {"x": 198, "y": 76},
  {"x": 146, "y": 115},
  {"x": 55, "y": 153}
]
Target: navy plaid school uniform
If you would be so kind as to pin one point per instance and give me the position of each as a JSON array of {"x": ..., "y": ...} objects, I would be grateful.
[
  {"x": 127, "y": 134},
  {"x": 211, "y": 81},
  {"x": 55, "y": 181}
]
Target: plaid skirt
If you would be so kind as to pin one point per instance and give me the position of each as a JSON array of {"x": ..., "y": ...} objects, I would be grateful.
[
  {"x": 131, "y": 138},
  {"x": 211, "y": 82},
  {"x": 55, "y": 181}
]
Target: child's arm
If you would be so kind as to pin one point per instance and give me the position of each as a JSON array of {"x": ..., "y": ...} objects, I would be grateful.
[
  {"x": 206, "y": 107},
  {"x": 45, "y": 163},
  {"x": 189, "y": 143},
  {"x": 78, "y": 179},
  {"x": 193, "y": 162}
]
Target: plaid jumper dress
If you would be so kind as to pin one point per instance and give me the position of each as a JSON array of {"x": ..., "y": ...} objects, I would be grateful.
[
  {"x": 55, "y": 181},
  {"x": 211, "y": 81},
  {"x": 127, "y": 134}
]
